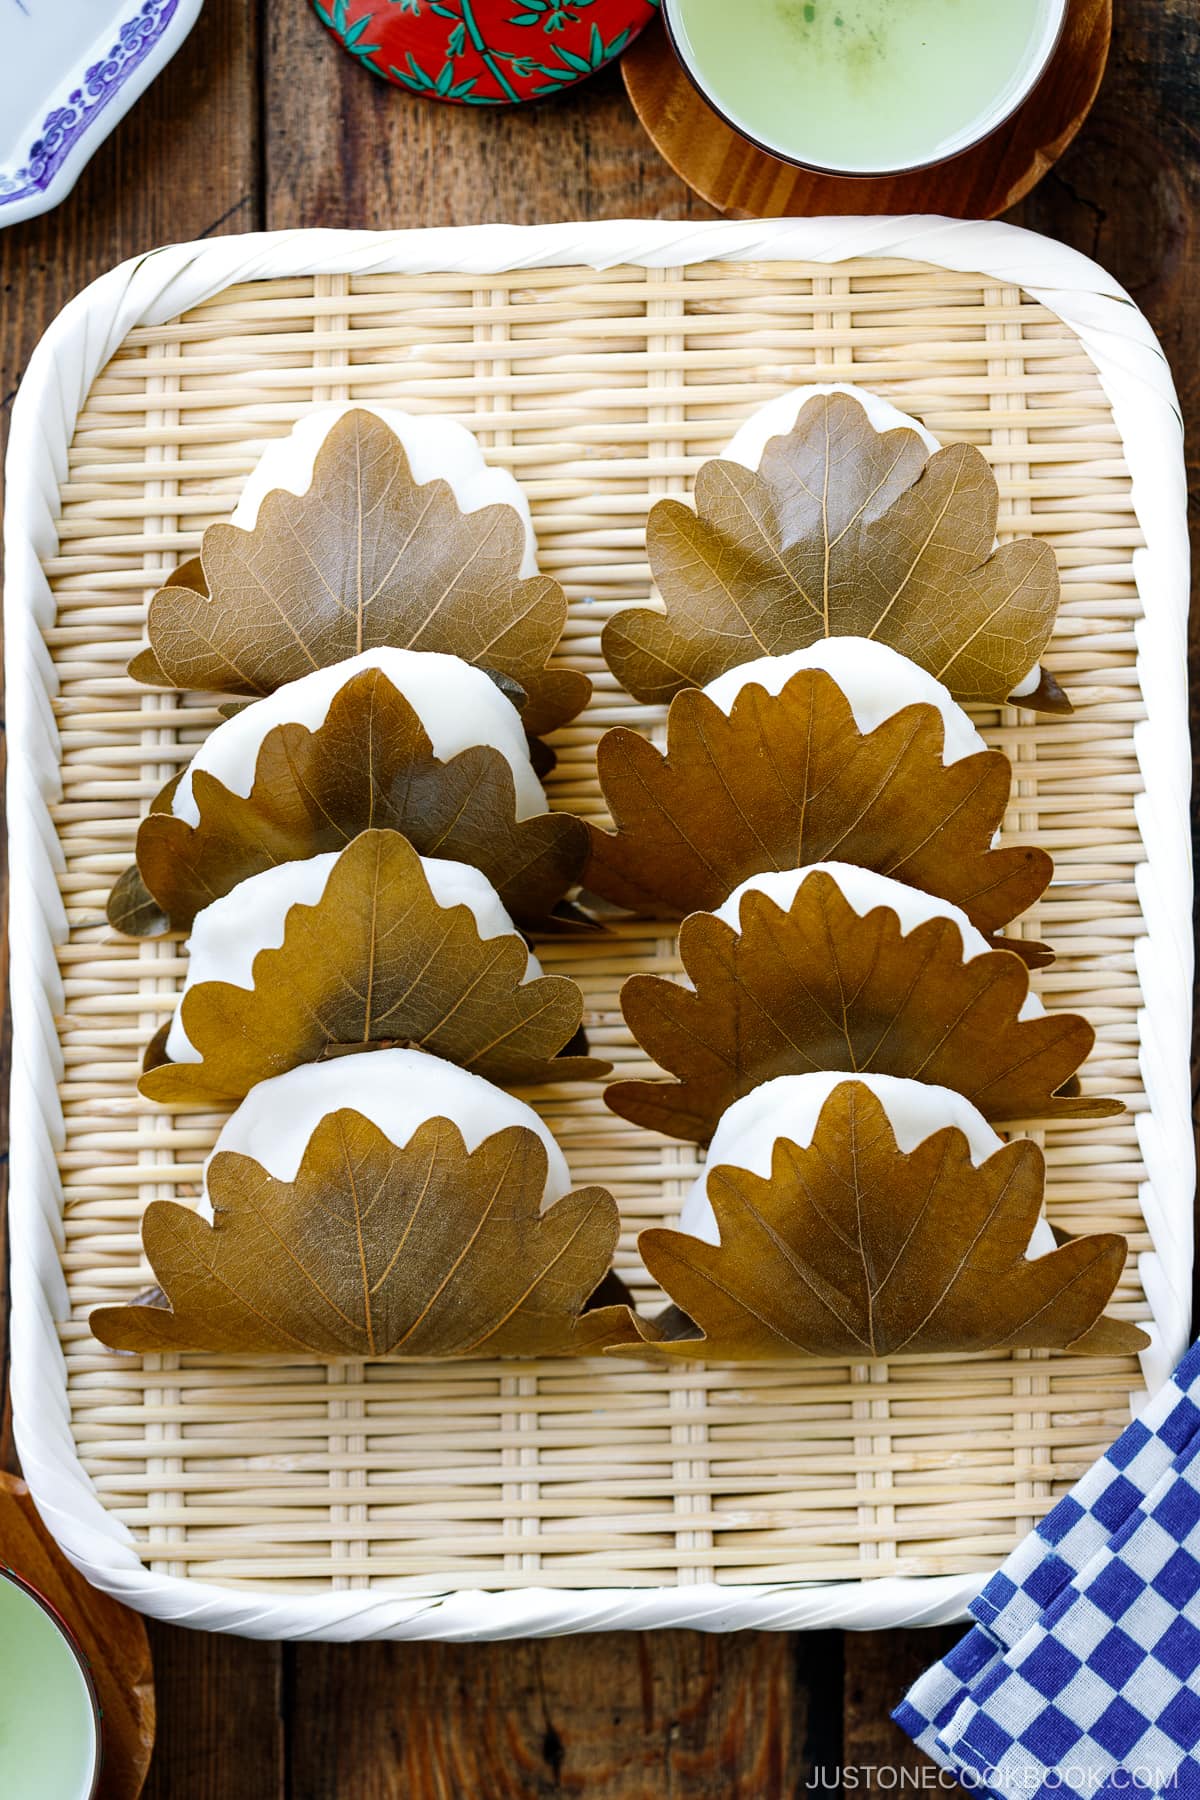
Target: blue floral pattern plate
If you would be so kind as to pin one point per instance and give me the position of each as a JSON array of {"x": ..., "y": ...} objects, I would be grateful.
[{"x": 69, "y": 70}]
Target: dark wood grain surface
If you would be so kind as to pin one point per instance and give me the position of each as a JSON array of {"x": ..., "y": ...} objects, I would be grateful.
[{"x": 261, "y": 121}]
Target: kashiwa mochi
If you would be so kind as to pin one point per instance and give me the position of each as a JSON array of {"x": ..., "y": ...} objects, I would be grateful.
[
  {"x": 457, "y": 704},
  {"x": 397, "y": 1090},
  {"x": 776, "y": 418},
  {"x": 228, "y": 935},
  {"x": 876, "y": 680},
  {"x": 435, "y": 447},
  {"x": 864, "y": 890},
  {"x": 789, "y": 1108}
]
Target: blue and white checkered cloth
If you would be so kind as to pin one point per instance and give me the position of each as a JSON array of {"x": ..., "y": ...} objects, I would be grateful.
[{"x": 1082, "y": 1673}]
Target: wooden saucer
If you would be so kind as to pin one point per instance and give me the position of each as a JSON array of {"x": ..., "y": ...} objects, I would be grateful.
[
  {"x": 111, "y": 1637},
  {"x": 736, "y": 177}
]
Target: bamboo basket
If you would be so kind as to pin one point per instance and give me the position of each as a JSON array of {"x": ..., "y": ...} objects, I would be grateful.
[{"x": 600, "y": 364}]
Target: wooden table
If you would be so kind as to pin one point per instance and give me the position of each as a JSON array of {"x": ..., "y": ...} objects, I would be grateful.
[{"x": 261, "y": 122}]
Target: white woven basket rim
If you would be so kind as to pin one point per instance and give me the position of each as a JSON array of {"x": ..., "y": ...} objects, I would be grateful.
[{"x": 155, "y": 288}]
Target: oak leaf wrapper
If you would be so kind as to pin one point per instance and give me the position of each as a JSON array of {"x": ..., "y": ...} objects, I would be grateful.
[
  {"x": 819, "y": 987},
  {"x": 851, "y": 1248},
  {"x": 373, "y": 1251},
  {"x": 789, "y": 779},
  {"x": 369, "y": 765},
  {"x": 842, "y": 531},
  {"x": 366, "y": 557},
  {"x": 377, "y": 961}
]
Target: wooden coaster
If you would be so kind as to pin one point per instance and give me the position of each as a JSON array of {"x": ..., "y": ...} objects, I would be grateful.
[
  {"x": 111, "y": 1637},
  {"x": 736, "y": 177}
]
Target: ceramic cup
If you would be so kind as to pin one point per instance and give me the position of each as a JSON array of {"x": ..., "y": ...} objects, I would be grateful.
[
  {"x": 865, "y": 87},
  {"x": 50, "y": 1744}
]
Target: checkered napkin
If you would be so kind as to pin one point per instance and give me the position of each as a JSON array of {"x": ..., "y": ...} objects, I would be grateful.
[{"x": 1082, "y": 1673}]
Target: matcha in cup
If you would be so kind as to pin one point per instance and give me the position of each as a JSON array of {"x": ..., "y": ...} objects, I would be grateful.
[
  {"x": 865, "y": 87},
  {"x": 49, "y": 1718}
]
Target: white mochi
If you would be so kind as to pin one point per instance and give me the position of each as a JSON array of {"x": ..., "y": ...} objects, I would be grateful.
[
  {"x": 775, "y": 418},
  {"x": 435, "y": 447},
  {"x": 228, "y": 934},
  {"x": 456, "y": 703},
  {"x": 398, "y": 1090},
  {"x": 790, "y": 1106},
  {"x": 864, "y": 889},
  {"x": 876, "y": 680}
]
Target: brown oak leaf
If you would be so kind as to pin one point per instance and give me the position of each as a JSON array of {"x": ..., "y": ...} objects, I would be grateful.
[
  {"x": 851, "y": 1248},
  {"x": 378, "y": 961},
  {"x": 789, "y": 779},
  {"x": 367, "y": 557},
  {"x": 373, "y": 1251},
  {"x": 369, "y": 765},
  {"x": 819, "y": 987},
  {"x": 842, "y": 531}
]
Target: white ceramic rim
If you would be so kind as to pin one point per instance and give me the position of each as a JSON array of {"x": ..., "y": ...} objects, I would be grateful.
[
  {"x": 155, "y": 288},
  {"x": 1002, "y": 108},
  {"x": 104, "y": 121},
  {"x": 26, "y": 1587}
]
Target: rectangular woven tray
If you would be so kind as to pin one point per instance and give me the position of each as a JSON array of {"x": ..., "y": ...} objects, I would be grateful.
[{"x": 600, "y": 389}]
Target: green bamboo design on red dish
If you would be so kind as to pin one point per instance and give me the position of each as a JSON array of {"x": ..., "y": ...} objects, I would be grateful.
[{"x": 551, "y": 15}]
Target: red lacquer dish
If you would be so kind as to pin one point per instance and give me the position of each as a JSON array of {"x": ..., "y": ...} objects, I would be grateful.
[{"x": 485, "y": 52}]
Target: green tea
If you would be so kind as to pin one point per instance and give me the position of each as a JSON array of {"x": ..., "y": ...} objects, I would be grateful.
[
  {"x": 47, "y": 1725},
  {"x": 862, "y": 84}
]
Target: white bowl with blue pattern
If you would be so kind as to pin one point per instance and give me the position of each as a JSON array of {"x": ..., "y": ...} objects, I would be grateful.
[{"x": 69, "y": 71}]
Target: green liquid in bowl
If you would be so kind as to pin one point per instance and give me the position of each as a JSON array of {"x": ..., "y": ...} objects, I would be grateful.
[
  {"x": 47, "y": 1723},
  {"x": 863, "y": 84}
]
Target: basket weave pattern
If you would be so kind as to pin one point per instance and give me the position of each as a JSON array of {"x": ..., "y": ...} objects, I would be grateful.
[{"x": 600, "y": 392}]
